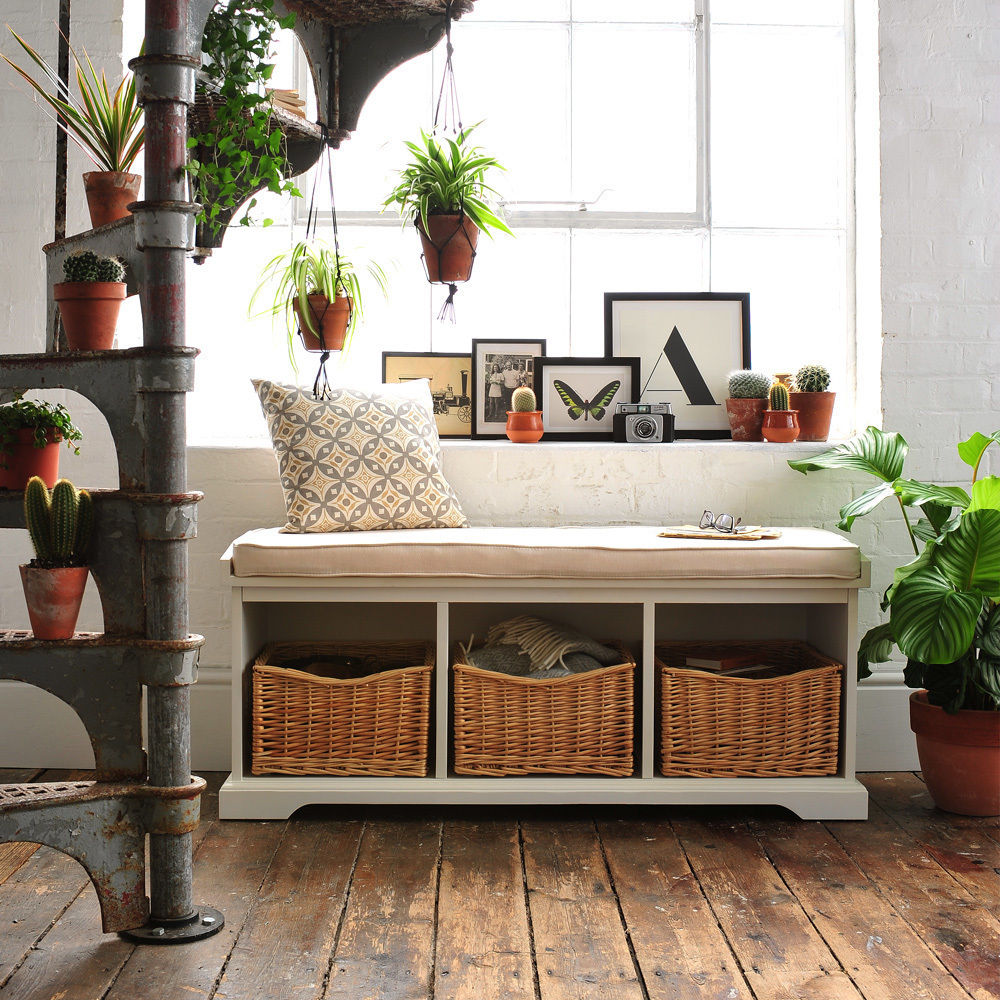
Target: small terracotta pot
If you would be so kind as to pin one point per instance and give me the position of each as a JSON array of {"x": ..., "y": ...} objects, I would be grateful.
[
  {"x": 745, "y": 418},
  {"x": 53, "y": 597},
  {"x": 25, "y": 461},
  {"x": 89, "y": 311},
  {"x": 780, "y": 426},
  {"x": 449, "y": 247},
  {"x": 109, "y": 192},
  {"x": 815, "y": 413},
  {"x": 524, "y": 426},
  {"x": 331, "y": 319},
  {"x": 959, "y": 756}
]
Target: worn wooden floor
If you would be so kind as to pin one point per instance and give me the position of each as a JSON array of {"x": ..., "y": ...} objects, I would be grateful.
[{"x": 660, "y": 904}]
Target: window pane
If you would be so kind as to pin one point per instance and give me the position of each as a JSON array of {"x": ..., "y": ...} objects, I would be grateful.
[
  {"x": 614, "y": 261},
  {"x": 797, "y": 284},
  {"x": 779, "y": 145},
  {"x": 778, "y": 12},
  {"x": 634, "y": 123},
  {"x": 652, "y": 11},
  {"x": 518, "y": 10}
]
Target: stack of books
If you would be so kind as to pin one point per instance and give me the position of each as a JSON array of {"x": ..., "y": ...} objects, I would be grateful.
[{"x": 728, "y": 664}]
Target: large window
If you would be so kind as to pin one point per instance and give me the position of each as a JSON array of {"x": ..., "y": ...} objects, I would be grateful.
[{"x": 651, "y": 145}]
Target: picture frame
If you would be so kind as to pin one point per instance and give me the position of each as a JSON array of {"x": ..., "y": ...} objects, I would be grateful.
[
  {"x": 581, "y": 382},
  {"x": 450, "y": 382},
  {"x": 516, "y": 359},
  {"x": 688, "y": 343}
]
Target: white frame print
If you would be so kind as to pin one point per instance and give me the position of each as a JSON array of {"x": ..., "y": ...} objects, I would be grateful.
[
  {"x": 523, "y": 350},
  {"x": 688, "y": 343},
  {"x": 583, "y": 379}
]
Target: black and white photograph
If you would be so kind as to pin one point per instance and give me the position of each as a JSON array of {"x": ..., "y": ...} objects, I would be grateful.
[
  {"x": 688, "y": 343},
  {"x": 449, "y": 376},
  {"x": 498, "y": 368},
  {"x": 578, "y": 396}
]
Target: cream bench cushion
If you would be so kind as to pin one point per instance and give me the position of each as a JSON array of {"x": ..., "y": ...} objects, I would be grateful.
[{"x": 576, "y": 553}]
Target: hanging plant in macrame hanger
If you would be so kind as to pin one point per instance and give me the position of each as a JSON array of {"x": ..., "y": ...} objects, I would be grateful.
[{"x": 443, "y": 190}]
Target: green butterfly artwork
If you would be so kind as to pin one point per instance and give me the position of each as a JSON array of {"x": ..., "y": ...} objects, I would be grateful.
[{"x": 586, "y": 408}]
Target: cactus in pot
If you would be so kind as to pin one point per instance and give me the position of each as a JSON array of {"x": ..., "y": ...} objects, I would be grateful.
[
  {"x": 814, "y": 402},
  {"x": 746, "y": 403},
  {"x": 777, "y": 397},
  {"x": 90, "y": 299},
  {"x": 781, "y": 422},
  {"x": 59, "y": 522},
  {"x": 524, "y": 421}
]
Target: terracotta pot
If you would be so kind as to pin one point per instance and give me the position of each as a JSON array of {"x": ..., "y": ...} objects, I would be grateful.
[
  {"x": 53, "y": 597},
  {"x": 89, "y": 311},
  {"x": 25, "y": 461},
  {"x": 108, "y": 195},
  {"x": 449, "y": 247},
  {"x": 815, "y": 413},
  {"x": 959, "y": 756},
  {"x": 332, "y": 320},
  {"x": 780, "y": 426},
  {"x": 745, "y": 418},
  {"x": 524, "y": 426}
]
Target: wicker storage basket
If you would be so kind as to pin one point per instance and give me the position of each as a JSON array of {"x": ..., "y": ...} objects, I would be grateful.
[
  {"x": 582, "y": 724},
  {"x": 375, "y": 724},
  {"x": 784, "y": 725}
]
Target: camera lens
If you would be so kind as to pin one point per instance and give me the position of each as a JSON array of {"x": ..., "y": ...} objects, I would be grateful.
[{"x": 644, "y": 428}]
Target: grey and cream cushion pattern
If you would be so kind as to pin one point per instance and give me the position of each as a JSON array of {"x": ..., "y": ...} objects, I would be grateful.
[{"x": 359, "y": 460}]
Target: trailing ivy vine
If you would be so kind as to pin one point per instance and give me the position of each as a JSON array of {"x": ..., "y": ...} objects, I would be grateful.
[{"x": 240, "y": 151}]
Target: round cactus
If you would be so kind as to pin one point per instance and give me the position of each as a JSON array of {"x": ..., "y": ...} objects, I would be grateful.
[
  {"x": 812, "y": 378},
  {"x": 523, "y": 400},
  {"x": 59, "y": 522},
  {"x": 81, "y": 266},
  {"x": 110, "y": 269},
  {"x": 747, "y": 384},
  {"x": 778, "y": 397}
]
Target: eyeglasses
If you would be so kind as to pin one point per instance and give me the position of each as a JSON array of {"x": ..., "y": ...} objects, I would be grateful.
[{"x": 725, "y": 523}]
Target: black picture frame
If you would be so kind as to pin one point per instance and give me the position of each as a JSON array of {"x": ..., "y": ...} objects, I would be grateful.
[
  {"x": 566, "y": 430},
  {"x": 483, "y": 429},
  {"x": 448, "y": 409},
  {"x": 704, "y": 363}
]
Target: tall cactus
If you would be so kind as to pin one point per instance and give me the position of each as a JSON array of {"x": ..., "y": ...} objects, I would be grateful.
[
  {"x": 778, "y": 397},
  {"x": 59, "y": 522}
]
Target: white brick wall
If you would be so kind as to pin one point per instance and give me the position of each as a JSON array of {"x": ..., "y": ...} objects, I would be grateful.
[{"x": 940, "y": 118}]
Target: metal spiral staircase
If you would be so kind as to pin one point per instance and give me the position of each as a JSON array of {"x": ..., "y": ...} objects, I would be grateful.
[{"x": 140, "y": 563}]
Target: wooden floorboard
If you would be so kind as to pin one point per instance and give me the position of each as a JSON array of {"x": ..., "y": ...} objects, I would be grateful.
[{"x": 520, "y": 904}]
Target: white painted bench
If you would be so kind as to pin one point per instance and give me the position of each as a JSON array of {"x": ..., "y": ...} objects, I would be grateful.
[{"x": 624, "y": 583}]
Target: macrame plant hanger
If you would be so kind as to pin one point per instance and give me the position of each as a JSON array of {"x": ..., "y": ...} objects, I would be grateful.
[
  {"x": 321, "y": 385},
  {"x": 448, "y": 118}
]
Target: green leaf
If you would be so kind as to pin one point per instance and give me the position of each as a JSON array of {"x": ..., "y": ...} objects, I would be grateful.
[
  {"x": 863, "y": 504},
  {"x": 971, "y": 451},
  {"x": 989, "y": 639},
  {"x": 875, "y": 647},
  {"x": 916, "y": 494},
  {"x": 985, "y": 494},
  {"x": 874, "y": 451},
  {"x": 969, "y": 556},
  {"x": 932, "y": 621}
]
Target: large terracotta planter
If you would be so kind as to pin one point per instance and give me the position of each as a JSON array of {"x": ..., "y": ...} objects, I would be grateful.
[
  {"x": 449, "y": 247},
  {"x": 780, "y": 426},
  {"x": 89, "y": 311},
  {"x": 959, "y": 756},
  {"x": 53, "y": 597},
  {"x": 331, "y": 318},
  {"x": 25, "y": 461},
  {"x": 745, "y": 418},
  {"x": 524, "y": 426},
  {"x": 109, "y": 193},
  {"x": 815, "y": 413}
]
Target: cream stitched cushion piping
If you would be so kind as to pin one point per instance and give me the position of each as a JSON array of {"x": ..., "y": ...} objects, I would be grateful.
[{"x": 362, "y": 460}]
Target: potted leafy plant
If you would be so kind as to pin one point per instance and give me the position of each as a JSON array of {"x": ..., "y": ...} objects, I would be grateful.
[
  {"x": 319, "y": 293},
  {"x": 443, "y": 190},
  {"x": 748, "y": 391},
  {"x": 781, "y": 422},
  {"x": 943, "y": 613},
  {"x": 524, "y": 422},
  {"x": 90, "y": 299},
  {"x": 30, "y": 433},
  {"x": 59, "y": 524},
  {"x": 813, "y": 401},
  {"x": 106, "y": 125}
]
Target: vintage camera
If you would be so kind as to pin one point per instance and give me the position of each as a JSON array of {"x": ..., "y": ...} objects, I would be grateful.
[{"x": 644, "y": 423}]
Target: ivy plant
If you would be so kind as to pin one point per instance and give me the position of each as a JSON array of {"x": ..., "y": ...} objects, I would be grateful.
[
  {"x": 240, "y": 151},
  {"x": 46, "y": 420}
]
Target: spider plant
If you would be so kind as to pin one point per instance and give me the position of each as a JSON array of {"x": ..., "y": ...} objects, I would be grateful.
[
  {"x": 445, "y": 177},
  {"x": 106, "y": 125},
  {"x": 313, "y": 268}
]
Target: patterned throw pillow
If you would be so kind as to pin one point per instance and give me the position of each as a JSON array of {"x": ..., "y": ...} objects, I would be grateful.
[{"x": 360, "y": 460}]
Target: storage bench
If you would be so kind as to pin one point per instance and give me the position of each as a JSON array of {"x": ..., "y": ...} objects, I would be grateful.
[{"x": 449, "y": 585}]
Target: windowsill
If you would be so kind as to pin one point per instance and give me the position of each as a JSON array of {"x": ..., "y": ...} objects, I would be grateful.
[{"x": 716, "y": 447}]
